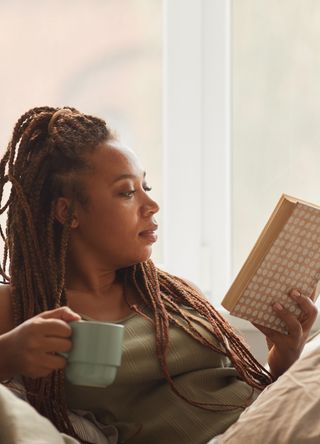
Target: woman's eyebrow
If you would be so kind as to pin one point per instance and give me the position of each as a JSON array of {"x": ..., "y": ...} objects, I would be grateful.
[{"x": 128, "y": 176}]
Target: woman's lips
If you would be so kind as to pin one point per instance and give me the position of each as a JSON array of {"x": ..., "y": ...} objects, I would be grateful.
[{"x": 149, "y": 235}]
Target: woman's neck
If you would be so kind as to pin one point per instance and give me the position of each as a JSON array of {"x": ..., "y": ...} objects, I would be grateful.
[
  {"x": 98, "y": 293},
  {"x": 98, "y": 283},
  {"x": 87, "y": 274},
  {"x": 101, "y": 299}
]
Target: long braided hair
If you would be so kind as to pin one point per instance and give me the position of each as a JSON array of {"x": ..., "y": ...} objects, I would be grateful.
[{"x": 48, "y": 149}]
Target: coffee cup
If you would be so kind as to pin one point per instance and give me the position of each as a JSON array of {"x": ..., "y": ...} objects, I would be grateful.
[{"x": 95, "y": 354}]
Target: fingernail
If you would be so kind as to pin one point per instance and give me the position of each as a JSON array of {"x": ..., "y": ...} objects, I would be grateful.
[
  {"x": 295, "y": 293},
  {"x": 278, "y": 306}
]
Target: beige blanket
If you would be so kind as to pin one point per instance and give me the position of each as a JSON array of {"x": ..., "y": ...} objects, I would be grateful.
[{"x": 287, "y": 412}]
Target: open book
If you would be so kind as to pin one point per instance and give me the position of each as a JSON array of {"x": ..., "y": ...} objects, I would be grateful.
[{"x": 285, "y": 256}]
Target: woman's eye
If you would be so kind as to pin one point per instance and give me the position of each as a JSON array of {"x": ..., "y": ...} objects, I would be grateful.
[{"x": 129, "y": 193}]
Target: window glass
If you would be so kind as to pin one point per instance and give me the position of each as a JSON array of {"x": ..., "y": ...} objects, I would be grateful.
[{"x": 276, "y": 108}]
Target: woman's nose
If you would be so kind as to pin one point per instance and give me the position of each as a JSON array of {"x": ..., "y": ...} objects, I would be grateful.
[{"x": 151, "y": 206}]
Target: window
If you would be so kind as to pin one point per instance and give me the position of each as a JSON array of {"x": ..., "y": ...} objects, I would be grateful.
[{"x": 241, "y": 127}]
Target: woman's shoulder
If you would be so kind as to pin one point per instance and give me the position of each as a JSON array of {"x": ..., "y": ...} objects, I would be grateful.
[
  {"x": 6, "y": 314},
  {"x": 184, "y": 281},
  {"x": 194, "y": 287}
]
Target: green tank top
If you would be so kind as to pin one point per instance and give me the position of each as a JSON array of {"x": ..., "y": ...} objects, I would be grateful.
[{"x": 140, "y": 402}]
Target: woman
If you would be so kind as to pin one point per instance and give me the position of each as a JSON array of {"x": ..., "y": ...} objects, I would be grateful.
[{"x": 79, "y": 233}]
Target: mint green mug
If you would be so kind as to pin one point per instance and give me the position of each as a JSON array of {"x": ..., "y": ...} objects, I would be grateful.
[{"x": 95, "y": 354}]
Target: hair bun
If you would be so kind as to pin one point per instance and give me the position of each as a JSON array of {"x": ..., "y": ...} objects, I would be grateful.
[{"x": 55, "y": 116}]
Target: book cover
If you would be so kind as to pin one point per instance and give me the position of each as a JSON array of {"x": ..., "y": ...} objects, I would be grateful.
[{"x": 285, "y": 256}]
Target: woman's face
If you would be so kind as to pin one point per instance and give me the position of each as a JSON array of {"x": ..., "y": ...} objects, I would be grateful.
[{"x": 117, "y": 225}]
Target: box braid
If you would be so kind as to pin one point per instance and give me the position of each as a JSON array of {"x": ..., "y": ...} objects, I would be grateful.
[{"x": 48, "y": 149}]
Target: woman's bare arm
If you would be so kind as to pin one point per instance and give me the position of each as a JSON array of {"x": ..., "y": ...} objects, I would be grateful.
[{"x": 6, "y": 314}]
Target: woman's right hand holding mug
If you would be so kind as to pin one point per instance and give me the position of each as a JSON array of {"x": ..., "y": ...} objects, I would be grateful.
[{"x": 31, "y": 348}]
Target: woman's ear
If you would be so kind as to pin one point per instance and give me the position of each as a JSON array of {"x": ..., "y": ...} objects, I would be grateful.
[{"x": 62, "y": 206}]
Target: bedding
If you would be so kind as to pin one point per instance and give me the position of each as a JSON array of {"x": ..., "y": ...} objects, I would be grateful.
[
  {"x": 21, "y": 424},
  {"x": 287, "y": 411}
]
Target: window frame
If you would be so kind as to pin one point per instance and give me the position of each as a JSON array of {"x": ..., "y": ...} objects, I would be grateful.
[{"x": 197, "y": 154}]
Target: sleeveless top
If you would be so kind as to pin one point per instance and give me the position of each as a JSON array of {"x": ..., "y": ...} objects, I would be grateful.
[{"x": 141, "y": 404}]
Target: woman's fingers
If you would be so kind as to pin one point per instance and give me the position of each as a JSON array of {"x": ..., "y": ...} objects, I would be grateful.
[
  {"x": 54, "y": 362},
  {"x": 308, "y": 309},
  {"x": 265, "y": 330},
  {"x": 51, "y": 327},
  {"x": 57, "y": 345},
  {"x": 64, "y": 313},
  {"x": 296, "y": 325},
  {"x": 285, "y": 349},
  {"x": 49, "y": 363},
  {"x": 293, "y": 325}
]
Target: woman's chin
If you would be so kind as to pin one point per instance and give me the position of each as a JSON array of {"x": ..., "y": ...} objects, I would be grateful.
[{"x": 144, "y": 256}]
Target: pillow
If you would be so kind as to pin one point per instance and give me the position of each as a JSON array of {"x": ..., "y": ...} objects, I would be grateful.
[
  {"x": 84, "y": 423},
  {"x": 21, "y": 424}
]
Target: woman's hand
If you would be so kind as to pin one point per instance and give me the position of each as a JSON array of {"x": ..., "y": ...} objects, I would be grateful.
[
  {"x": 284, "y": 350},
  {"x": 30, "y": 348}
]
